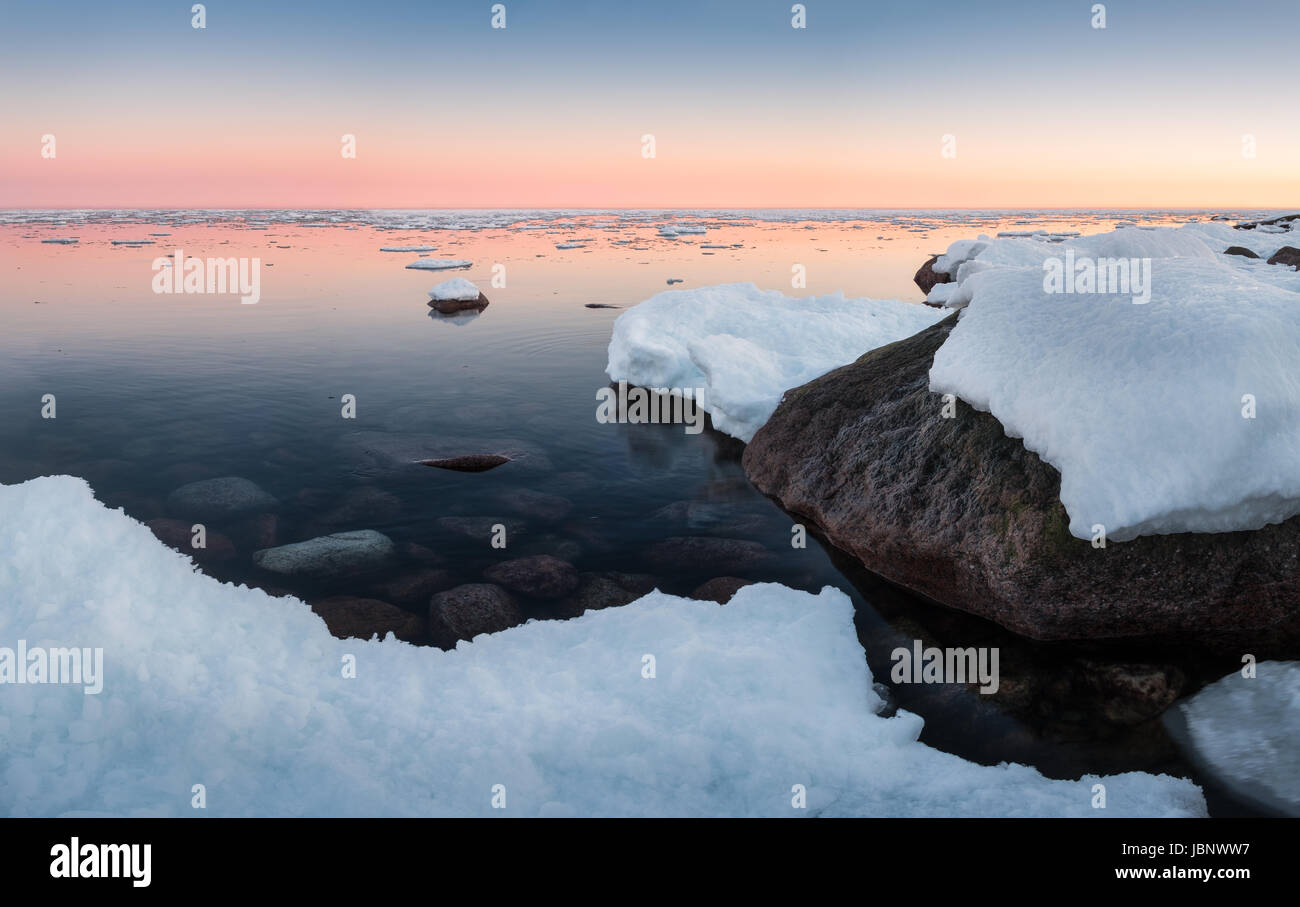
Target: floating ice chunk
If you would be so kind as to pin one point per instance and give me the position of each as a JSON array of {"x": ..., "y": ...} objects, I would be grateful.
[
  {"x": 749, "y": 699},
  {"x": 1245, "y": 732},
  {"x": 439, "y": 264},
  {"x": 406, "y": 249},
  {"x": 458, "y": 289},
  {"x": 570, "y": 245},
  {"x": 746, "y": 347},
  {"x": 62, "y": 241}
]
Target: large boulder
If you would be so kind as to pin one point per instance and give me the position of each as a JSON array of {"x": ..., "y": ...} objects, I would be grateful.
[{"x": 953, "y": 509}]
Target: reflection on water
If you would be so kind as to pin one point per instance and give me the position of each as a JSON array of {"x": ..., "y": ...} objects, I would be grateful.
[{"x": 156, "y": 391}]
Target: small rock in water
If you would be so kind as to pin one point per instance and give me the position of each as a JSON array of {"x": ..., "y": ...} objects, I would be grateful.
[
  {"x": 539, "y": 576},
  {"x": 468, "y": 462},
  {"x": 456, "y": 295},
  {"x": 720, "y": 589},
  {"x": 597, "y": 591},
  {"x": 347, "y": 616},
  {"x": 216, "y": 499},
  {"x": 416, "y": 588},
  {"x": 480, "y": 528},
  {"x": 700, "y": 553},
  {"x": 329, "y": 555},
  {"x": 673, "y": 280},
  {"x": 180, "y": 535},
  {"x": 469, "y": 610},
  {"x": 536, "y": 505},
  {"x": 601, "y": 305}
]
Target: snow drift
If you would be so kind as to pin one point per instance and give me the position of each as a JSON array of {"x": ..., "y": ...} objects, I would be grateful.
[
  {"x": 213, "y": 684},
  {"x": 1178, "y": 415},
  {"x": 745, "y": 347}
]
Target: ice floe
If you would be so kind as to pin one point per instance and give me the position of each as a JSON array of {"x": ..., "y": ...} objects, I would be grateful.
[
  {"x": 439, "y": 264},
  {"x": 1245, "y": 732},
  {"x": 750, "y": 706}
]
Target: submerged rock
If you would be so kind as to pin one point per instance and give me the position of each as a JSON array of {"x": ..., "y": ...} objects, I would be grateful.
[
  {"x": 696, "y": 554},
  {"x": 720, "y": 589},
  {"x": 539, "y": 576},
  {"x": 481, "y": 528},
  {"x": 958, "y": 512},
  {"x": 414, "y": 589},
  {"x": 468, "y": 462},
  {"x": 329, "y": 555},
  {"x": 605, "y": 590},
  {"x": 180, "y": 535},
  {"x": 218, "y": 499},
  {"x": 469, "y": 610},
  {"x": 535, "y": 505},
  {"x": 347, "y": 616}
]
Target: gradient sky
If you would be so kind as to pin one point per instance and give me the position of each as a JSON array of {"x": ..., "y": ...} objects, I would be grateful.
[{"x": 746, "y": 111}]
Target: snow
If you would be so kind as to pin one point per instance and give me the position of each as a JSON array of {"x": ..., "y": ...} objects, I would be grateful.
[
  {"x": 458, "y": 289},
  {"x": 1245, "y": 730},
  {"x": 746, "y": 347},
  {"x": 213, "y": 684},
  {"x": 1138, "y": 406},
  {"x": 439, "y": 264}
]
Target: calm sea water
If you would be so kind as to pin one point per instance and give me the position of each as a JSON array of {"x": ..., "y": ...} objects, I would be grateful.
[{"x": 154, "y": 391}]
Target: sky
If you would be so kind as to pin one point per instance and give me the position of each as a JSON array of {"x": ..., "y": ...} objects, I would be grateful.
[{"x": 1035, "y": 107}]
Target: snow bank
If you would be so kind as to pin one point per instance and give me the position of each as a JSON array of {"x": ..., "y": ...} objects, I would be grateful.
[
  {"x": 458, "y": 289},
  {"x": 1139, "y": 406},
  {"x": 746, "y": 347},
  {"x": 1246, "y": 731},
  {"x": 213, "y": 684}
]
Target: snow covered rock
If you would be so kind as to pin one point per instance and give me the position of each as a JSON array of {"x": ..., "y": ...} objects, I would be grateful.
[
  {"x": 1170, "y": 406},
  {"x": 748, "y": 700},
  {"x": 738, "y": 348},
  {"x": 458, "y": 289},
  {"x": 1245, "y": 733},
  {"x": 954, "y": 509},
  {"x": 927, "y": 278},
  {"x": 1287, "y": 255},
  {"x": 455, "y": 295}
]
